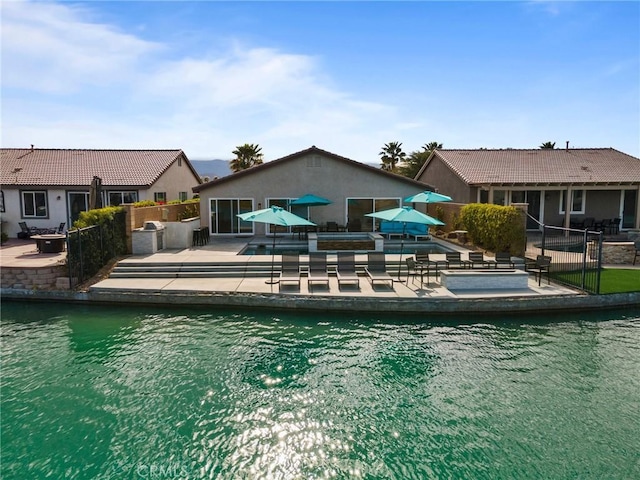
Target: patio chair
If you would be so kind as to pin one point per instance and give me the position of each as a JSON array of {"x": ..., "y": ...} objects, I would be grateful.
[
  {"x": 454, "y": 260},
  {"x": 423, "y": 259},
  {"x": 614, "y": 227},
  {"x": 332, "y": 226},
  {"x": 414, "y": 269},
  {"x": 504, "y": 259},
  {"x": 290, "y": 272},
  {"x": 61, "y": 228},
  {"x": 477, "y": 258},
  {"x": 318, "y": 269},
  {"x": 377, "y": 269},
  {"x": 346, "y": 271},
  {"x": 25, "y": 232},
  {"x": 541, "y": 266},
  {"x": 636, "y": 244}
]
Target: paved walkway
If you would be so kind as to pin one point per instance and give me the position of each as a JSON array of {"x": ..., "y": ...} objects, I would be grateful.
[
  {"x": 228, "y": 249},
  {"x": 255, "y": 291}
]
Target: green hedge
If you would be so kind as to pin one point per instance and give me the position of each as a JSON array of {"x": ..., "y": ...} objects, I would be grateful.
[
  {"x": 98, "y": 216},
  {"x": 494, "y": 228}
]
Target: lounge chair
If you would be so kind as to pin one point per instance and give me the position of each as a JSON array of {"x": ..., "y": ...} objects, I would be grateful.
[
  {"x": 346, "y": 271},
  {"x": 454, "y": 260},
  {"x": 318, "y": 268},
  {"x": 290, "y": 272},
  {"x": 504, "y": 259},
  {"x": 477, "y": 258},
  {"x": 25, "y": 232},
  {"x": 377, "y": 269},
  {"x": 541, "y": 266}
]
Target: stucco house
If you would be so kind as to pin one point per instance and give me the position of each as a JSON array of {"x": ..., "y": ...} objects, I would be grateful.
[
  {"x": 561, "y": 186},
  {"x": 354, "y": 189},
  {"x": 45, "y": 187}
]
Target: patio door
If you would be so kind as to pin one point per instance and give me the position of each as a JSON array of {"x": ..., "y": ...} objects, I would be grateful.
[
  {"x": 224, "y": 213},
  {"x": 357, "y": 208},
  {"x": 629, "y": 208},
  {"x": 77, "y": 202}
]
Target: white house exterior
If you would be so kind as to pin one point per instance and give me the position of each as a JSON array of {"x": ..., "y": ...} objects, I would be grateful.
[
  {"x": 561, "y": 186},
  {"x": 45, "y": 187}
]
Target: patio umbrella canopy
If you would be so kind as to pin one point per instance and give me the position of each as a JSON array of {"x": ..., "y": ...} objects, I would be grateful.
[
  {"x": 428, "y": 197},
  {"x": 274, "y": 215},
  {"x": 310, "y": 200},
  {"x": 404, "y": 215}
]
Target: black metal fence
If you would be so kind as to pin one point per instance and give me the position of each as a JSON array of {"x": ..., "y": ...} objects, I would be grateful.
[
  {"x": 576, "y": 255},
  {"x": 91, "y": 248}
]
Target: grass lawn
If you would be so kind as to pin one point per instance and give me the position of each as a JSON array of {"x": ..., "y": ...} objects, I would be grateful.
[{"x": 619, "y": 280}]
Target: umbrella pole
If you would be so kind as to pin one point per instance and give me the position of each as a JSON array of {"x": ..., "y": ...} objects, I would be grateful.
[
  {"x": 273, "y": 252},
  {"x": 404, "y": 230}
]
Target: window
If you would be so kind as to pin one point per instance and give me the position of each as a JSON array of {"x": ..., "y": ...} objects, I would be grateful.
[
  {"x": 1, "y": 201},
  {"x": 182, "y": 196},
  {"x": 118, "y": 198},
  {"x": 577, "y": 201},
  {"x": 160, "y": 197},
  {"x": 499, "y": 197},
  {"x": 34, "y": 204}
]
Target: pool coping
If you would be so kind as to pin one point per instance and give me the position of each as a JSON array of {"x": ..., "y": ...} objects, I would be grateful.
[{"x": 479, "y": 305}]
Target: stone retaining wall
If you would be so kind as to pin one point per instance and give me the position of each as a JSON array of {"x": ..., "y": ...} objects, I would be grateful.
[
  {"x": 617, "y": 253},
  {"x": 35, "y": 278}
]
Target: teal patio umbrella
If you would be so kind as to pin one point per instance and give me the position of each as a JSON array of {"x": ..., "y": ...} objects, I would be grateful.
[
  {"x": 427, "y": 197},
  {"x": 404, "y": 215},
  {"x": 310, "y": 200},
  {"x": 274, "y": 215}
]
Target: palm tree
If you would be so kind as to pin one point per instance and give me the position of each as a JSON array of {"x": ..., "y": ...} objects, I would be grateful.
[
  {"x": 414, "y": 162},
  {"x": 549, "y": 145},
  {"x": 391, "y": 155},
  {"x": 247, "y": 156},
  {"x": 431, "y": 146}
]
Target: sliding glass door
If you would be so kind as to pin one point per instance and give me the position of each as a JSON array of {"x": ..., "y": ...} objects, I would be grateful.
[{"x": 224, "y": 219}]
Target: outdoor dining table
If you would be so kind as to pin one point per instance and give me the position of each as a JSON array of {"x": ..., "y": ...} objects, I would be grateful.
[{"x": 50, "y": 243}]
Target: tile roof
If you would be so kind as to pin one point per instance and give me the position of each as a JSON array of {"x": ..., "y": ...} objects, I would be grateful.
[
  {"x": 543, "y": 166},
  {"x": 311, "y": 151},
  {"x": 24, "y": 166}
]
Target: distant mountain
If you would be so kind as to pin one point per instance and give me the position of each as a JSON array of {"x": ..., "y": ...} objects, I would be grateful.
[{"x": 211, "y": 168}]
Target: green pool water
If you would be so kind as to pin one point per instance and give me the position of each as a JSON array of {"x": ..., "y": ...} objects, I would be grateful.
[{"x": 94, "y": 392}]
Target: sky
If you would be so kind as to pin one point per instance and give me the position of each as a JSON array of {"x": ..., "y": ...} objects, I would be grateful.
[{"x": 347, "y": 77}]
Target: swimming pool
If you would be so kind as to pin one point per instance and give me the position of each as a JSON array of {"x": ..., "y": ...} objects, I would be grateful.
[
  {"x": 224, "y": 393},
  {"x": 408, "y": 249}
]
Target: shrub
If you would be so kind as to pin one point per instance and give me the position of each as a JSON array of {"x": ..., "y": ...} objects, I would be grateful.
[
  {"x": 494, "y": 227},
  {"x": 4, "y": 237},
  {"x": 145, "y": 203},
  {"x": 98, "y": 216}
]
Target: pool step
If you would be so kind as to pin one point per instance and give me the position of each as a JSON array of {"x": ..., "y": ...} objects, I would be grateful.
[{"x": 230, "y": 269}]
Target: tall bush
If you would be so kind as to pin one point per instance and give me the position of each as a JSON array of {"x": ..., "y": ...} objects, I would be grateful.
[{"x": 494, "y": 227}]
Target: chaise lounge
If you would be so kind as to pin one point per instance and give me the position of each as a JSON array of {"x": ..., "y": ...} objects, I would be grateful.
[{"x": 377, "y": 269}]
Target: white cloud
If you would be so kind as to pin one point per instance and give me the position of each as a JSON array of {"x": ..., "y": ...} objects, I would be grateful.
[
  {"x": 48, "y": 47},
  {"x": 126, "y": 95}
]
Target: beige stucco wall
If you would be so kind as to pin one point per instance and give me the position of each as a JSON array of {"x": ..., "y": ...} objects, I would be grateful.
[
  {"x": 314, "y": 173},
  {"x": 445, "y": 181},
  {"x": 177, "y": 178}
]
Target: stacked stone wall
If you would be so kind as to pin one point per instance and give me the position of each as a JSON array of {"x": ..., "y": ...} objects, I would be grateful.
[
  {"x": 617, "y": 253},
  {"x": 36, "y": 278}
]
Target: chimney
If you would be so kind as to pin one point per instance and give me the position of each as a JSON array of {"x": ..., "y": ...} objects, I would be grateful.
[
  {"x": 32, "y": 147},
  {"x": 567, "y": 146}
]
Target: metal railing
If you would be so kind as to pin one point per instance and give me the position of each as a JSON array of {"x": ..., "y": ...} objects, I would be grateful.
[
  {"x": 576, "y": 255},
  {"x": 91, "y": 248}
]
